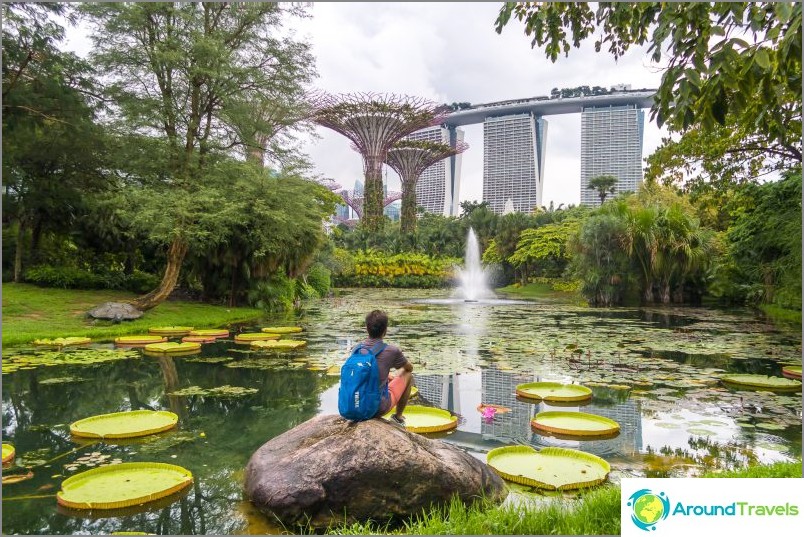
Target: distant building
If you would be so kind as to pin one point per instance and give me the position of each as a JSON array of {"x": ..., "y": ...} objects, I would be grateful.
[
  {"x": 438, "y": 188},
  {"x": 513, "y": 162},
  {"x": 611, "y": 144},
  {"x": 393, "y": 210}
]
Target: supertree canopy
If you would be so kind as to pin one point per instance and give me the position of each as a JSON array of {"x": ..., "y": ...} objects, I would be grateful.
[
  {"x": 374, "y": 122},
  {"x": 409, "y": 158}
]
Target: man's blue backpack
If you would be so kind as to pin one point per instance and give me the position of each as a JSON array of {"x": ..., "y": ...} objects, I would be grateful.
[{"x": 360, "y": 394}]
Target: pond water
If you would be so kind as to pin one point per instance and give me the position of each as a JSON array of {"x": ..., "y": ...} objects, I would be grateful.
[{"x": 654, "y": 371}]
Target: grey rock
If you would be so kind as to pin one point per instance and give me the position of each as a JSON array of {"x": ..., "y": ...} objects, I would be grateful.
[
  {"x": 330, "y": 470},
  {"x": 115, "y": 311}
]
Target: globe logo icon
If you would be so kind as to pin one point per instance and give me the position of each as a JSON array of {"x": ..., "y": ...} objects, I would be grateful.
[{"x": 648, "y": 508}]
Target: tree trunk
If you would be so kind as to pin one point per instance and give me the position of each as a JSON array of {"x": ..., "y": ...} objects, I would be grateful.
[
  {"x": 373, "y": 195},
  {"x": 408, "y": 213},
  {"x": 36, "y": 239},
  {"x": 18, "y": 251},
  {"x": 233, "y": 289},
  {"x": 647, "y": 293},
  {"x": 175, "y": 256},
  {"x": 666, "y": 292}
]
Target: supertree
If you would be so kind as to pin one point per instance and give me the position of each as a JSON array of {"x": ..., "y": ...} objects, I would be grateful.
[
  {"x": 374, "y": 122},
  {"x": 409, "y": 158}
]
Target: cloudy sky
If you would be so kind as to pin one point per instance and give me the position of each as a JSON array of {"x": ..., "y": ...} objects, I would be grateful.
[{"x": 449, "y": 52}]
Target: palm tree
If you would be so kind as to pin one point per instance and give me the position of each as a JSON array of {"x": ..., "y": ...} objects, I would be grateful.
[{"x": 604, "y": 184}]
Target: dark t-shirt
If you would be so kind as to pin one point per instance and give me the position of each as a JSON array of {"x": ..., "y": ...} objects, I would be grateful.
[{"x": 390, "y": 357}]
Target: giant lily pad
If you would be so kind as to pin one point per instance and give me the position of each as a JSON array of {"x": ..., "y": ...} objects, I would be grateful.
[
  {"x": 170, "y": 330},
  {"x": 574, "y": 423},
  {"x": 278, "y": 344},
  {"x": 62, "y": 341},
  {"x": 792, "y": 372},
  {"x": 762, "y": 382},
  {"x": 173, "y": 347},
  {"x": 551, "y": 468},
  {"x": 553, "y": 391},
  {"x": 282, "y": 329},
  {"x": 125, "y": 424},
  {"x": 8, "y": 453},
  {"x": 139, "y": 340},
  {"x": 122, "y": 485},
  {"x": 15, "y": 362},
  {"x": 425, "y": 419},
  {"x": 254, "y": 336},
  {"x": 211, "y": 332},
  {"x": 198, "y": 339}
]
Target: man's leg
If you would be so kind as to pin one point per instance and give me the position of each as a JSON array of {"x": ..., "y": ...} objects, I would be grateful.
[{"x": 405, "y": 379}]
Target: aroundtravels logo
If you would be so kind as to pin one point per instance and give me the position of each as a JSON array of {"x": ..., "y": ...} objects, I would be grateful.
[{"x": 648, "y": 508}]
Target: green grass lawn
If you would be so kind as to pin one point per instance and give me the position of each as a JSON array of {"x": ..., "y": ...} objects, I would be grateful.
[
  {"x": 31, "y": 312},
  {"x": 596, "y": 512}
]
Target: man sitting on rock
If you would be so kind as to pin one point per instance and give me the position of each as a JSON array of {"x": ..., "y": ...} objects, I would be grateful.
[{"x": 390, "y": 357}]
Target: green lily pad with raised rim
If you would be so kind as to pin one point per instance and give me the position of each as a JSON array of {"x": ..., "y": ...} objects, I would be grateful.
[
  {"x": 170, "y": 330},
  {"x": 792, "y": 372},
  {"x": 122, "y": 485},
  {"x": 574, "y": 423},
  {"x": 172, "y": 347},
  {"x": 553, "y": 391},
  {"x": 62, "y": 341},
  {"x": 282, "y": 329},
  {"x": 210, "y": 332},
  {"x": 425, "y": 419},
  {"x": 551, "y": 468},
  {"x": 8, "y": 452},
  {"x": 125, "y": 424},
  {"x": 139, "y": 340},
  {"x": 762, "y": 382},
  {"x": 248, "y": 337},
  {"x": 278, "y": 344}
]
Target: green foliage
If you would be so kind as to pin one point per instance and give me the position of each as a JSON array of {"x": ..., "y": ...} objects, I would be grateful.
[
  {"x": 276, "y": 293},
  {"x": 738, "y": 58},
  {"x": 600, "y": 260},
  {"x": 319, "y": 278},
  {"x": 764, "y": 242},
  {"x": 545, "y": 249},
  {"x": 70, "y": 277}
]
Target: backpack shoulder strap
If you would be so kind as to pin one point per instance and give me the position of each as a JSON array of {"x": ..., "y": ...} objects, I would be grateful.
[{"x": 376, "y": 351}]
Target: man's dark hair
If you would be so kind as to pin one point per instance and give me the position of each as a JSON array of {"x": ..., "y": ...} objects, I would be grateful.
[{"x": 376, "y": 323}]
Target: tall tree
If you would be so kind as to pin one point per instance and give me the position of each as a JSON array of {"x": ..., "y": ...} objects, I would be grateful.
[
  {"x": 180, "y": 73},
  {"x": 374, "y": 123},
  {"x": 723, "y": 58},
  {"x": 52, "y": 148},
  {"x": 604, "y": 184}
]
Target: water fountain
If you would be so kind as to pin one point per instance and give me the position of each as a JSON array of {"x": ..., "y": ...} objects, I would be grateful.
[{"x": 472, "y": 276}]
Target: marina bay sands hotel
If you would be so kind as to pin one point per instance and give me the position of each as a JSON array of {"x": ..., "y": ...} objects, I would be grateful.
[{"x": 514, "y": 135}]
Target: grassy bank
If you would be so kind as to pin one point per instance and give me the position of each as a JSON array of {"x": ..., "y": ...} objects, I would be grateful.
[
  {"x": 540, "y": 289},
  {"x": 597, "y": 512},
  {"x": 31, "y": 312},
  {"x": 781, "y": 315}
]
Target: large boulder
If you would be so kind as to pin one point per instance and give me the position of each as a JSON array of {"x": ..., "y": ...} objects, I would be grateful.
[
  {"x": 330, "y": 470},
  {"x": 115, "y": 311}
]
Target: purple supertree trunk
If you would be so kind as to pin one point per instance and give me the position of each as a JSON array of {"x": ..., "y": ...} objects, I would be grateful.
[{"x": 409, "y": 158}]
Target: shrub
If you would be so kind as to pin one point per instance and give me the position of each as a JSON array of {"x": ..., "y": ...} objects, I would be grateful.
[
  {"x": 319, "y": 278},
  {"x": 64, "y": 277},
  {"x": 408, "y": 270},
  {"x": 140, "y": 282},
  {"x": 273, "y": 294}
]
